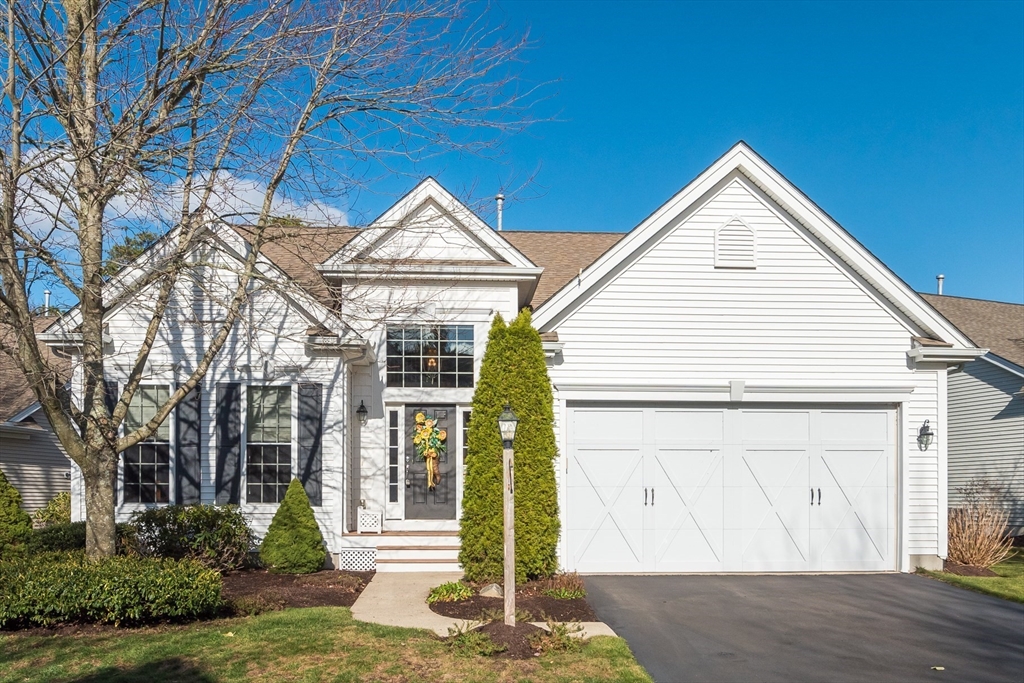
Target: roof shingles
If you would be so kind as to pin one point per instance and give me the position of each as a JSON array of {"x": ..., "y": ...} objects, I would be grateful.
[{"x": 994, "y": 325}]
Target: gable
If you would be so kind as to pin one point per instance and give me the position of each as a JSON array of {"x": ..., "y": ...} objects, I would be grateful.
[
  {"x": 428, "y": 233},
  {"x": 676, "y": 308},
  {"x": 791, "y": 205}
]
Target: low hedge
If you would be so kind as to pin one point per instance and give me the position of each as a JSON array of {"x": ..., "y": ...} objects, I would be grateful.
[
  {"x": 49, "y": 589},
  {"x": 59, "y": 538}
]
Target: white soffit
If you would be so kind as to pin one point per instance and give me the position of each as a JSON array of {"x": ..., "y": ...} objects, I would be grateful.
[{"x": 745, "y": 160}]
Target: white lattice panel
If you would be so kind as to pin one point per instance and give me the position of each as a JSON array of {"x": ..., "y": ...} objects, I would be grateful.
[
  {"x": 369, "y": 521},
  {"x": 359, "y": 559}
]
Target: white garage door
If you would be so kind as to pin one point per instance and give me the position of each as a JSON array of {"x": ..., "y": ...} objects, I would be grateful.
[{"x": 768, "y": 489}]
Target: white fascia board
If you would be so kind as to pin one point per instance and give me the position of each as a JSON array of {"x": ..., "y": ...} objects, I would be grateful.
[
  {"x": 743, "y": 159},
  {"x": 954, "y": 356},
  {"x": 435, "y": 271},
  {"x": 1003, "y": 364},
  {"x": 428, "y": 189}
]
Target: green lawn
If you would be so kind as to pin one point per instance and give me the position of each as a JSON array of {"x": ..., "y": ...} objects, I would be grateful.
[
  {"x": 1009, "y": 585},
  {"x": 318, "y": 644}
]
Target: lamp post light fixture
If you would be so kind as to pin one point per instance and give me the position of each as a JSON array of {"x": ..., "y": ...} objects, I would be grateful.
[
  {"x": 507, "y": 423},
  {"x": 362, "y": 413},
  {"x": 925, "y": 436}
]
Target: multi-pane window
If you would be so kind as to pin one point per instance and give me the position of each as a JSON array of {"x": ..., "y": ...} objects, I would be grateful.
[
  {"x": 465, "y": 433},
  {"x": 393, "y": 442},
  {"x": 147, "y": 465},
  {"x": 268, "y": 450},
  {"x": 430, "y": 356}
]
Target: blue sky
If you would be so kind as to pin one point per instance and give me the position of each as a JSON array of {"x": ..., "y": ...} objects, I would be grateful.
[{"x": 904, "y": 121}]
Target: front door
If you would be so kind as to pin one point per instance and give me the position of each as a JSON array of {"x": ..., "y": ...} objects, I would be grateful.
[{"x": 421, "y": 501}]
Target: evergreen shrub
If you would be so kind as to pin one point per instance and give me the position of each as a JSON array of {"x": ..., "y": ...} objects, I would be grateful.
[
  {"x": 15, "y": 523},
  {"x": 218, "y": 537},
  {"x": 54, "y": 588},
  {"x": 294, "y": 544},
  {"x": 56, "y": 511},
  {"x": 513, "y": 371}
]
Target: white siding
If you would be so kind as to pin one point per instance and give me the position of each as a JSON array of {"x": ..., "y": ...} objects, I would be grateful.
[
  {"x": 986, "y": 432},
  {"x": 411, "y": 303},
  {"x": 266, "y": 347},
  {"x": 670, "y": 320},
  {"x": 34, "y": 463}
]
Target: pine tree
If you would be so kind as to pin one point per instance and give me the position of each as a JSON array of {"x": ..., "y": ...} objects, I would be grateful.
[
  {"x": 294, "y": 544},
  {"x": 15, "y": 523},
  {"x": 513, "y": 371}
]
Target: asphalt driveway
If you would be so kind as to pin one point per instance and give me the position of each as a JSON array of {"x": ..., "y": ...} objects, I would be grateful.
[{"x": 877, "y": 627}]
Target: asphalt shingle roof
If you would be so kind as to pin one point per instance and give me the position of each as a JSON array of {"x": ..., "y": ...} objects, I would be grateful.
[{"x": 993, "y": 325}]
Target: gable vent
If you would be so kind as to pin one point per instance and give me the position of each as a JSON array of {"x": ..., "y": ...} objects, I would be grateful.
[{"x": 735, "y": 245}]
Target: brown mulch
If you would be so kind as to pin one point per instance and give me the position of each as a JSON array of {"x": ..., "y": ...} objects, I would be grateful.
[
  {"x": 966, "y": 569},
  {"x": 515, "y": 639},
  {"x": 327, "y": 588},
  {"x": 529, "y": 598}
]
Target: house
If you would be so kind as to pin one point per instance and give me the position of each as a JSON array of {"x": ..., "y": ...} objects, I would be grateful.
[
  {"x": 986, "y": 402},
  {"x": 739, "y": 384},
  {"x": 30, "y": 455}
]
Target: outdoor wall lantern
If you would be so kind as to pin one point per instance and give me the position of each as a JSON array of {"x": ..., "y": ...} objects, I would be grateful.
[
  {"x": 507, "y": 423},
  {"x": 925, "y": 436},
  {"x": 362, "y": 413}
]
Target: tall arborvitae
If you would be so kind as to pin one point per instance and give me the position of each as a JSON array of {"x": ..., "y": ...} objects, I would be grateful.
[
  {"x": 513, "y": 371},
  {"x": 480, "y": 530}
]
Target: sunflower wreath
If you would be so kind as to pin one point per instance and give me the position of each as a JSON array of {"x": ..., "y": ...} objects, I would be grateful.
[{"x": 430, "y": 444}]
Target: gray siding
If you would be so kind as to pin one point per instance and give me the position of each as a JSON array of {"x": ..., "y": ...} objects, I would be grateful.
[
  {"x": 986, "y": 432},
  {"x": 33, "y": 462}
]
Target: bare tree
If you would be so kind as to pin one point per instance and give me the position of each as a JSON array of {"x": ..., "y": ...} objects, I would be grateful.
[{"x": 146, "y": 115}]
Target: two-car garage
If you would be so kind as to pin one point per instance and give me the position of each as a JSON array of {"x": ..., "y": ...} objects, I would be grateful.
[{"x": 679, "y": 488}]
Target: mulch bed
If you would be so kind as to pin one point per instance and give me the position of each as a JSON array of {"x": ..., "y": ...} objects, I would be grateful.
[
  {"x": 529, "y": 598},
  {"x": 966, "y": 569},
  {"x": 515, "y": 639},
  {"x": 327, "y": 588}
]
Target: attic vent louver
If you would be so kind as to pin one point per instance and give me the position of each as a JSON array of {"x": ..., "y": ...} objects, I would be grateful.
[{"x": 735, "y": 245}]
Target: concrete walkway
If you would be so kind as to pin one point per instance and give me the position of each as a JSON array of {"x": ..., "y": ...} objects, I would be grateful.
[{"x": 400, "y": 599}]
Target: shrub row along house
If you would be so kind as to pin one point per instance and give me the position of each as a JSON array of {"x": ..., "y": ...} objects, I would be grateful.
[{"x": 739, "y": 385}]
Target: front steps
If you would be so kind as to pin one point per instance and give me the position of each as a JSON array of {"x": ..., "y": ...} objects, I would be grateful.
[{"x": 405, "y": 551}]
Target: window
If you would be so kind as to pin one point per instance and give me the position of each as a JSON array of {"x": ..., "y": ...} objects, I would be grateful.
[
  {"x": 465, "y": 433},
  {"x": 430, "y": 356},
  {"x": 393, "y": 441},
  {"x": 147, "y": 465},
  {"x": 268, "y": 450}
]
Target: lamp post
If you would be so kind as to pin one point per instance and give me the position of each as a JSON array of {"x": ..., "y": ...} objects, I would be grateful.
[{"x": 507, "y": 423}]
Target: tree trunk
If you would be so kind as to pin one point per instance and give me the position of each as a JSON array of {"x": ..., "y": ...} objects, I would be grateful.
[{"x": 100, "y": 530}]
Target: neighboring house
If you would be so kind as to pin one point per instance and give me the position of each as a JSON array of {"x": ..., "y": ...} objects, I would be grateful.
[
  {"x": 30, "y": 456},
  {"x": 739, "y": 384},
  {"x": 986, "y": 401}
]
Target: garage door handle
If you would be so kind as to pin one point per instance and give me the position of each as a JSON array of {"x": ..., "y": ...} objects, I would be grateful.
[
  {"x": 812, "y": 496},
  {"x": 652, "y": 495},
  {"x": 645, "y": 497},
  {"x": 819, "y": 496}
]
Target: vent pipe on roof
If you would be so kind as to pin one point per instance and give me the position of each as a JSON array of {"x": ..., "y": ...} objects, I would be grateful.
[
  {"x": 500, "y": 198},
  {"x": 46, "y": 302},
  {"x": 939, "y": 278}
]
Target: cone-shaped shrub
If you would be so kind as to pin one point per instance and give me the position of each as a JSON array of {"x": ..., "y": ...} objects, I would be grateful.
[
  {"x": 15, "y": 524},
  {"x": 294, "y": 544},
  {"x": 513, "y": 371}
]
